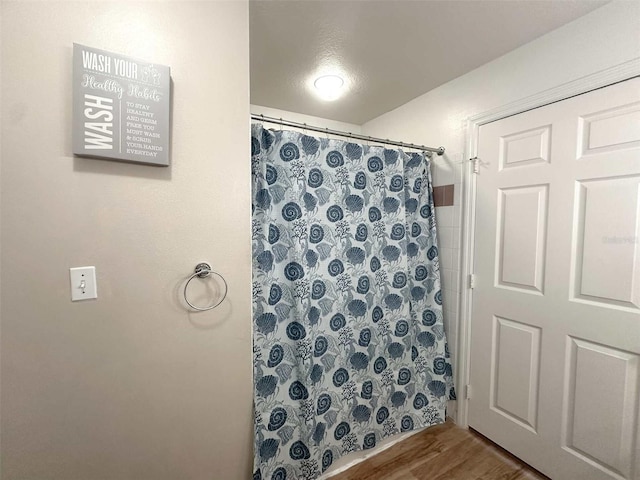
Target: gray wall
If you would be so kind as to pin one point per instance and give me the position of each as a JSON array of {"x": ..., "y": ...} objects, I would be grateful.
[{"x": 129, "y": 386}]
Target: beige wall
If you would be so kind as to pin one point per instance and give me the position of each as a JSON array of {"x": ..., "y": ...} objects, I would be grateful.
[
  {"x": 606, "y": 37},
  {"x": 129, "y": 386}
]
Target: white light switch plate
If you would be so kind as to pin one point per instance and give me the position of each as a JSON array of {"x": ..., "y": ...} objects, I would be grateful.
[{"x": 80, "y": 290}]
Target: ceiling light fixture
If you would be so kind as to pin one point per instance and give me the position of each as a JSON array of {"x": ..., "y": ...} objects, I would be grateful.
[{"x": 329, "y": 87}]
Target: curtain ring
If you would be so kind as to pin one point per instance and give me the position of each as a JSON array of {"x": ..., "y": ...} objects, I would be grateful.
[{"x": 203, "y": 270}]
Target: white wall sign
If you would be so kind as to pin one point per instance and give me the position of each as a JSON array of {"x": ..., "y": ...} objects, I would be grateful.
[{"x": 120, "y": 107}]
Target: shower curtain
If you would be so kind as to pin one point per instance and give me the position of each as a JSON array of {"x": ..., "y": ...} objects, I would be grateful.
[{"x": 348, "y": 339}]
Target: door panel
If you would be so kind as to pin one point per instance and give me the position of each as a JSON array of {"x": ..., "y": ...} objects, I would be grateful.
[
  {"x": 609, "y": 130},
  {"x": 599, "y": 416},
  {"x": 515, "y": 376},
  {"x": 522, "y": 219},
  {"x": 525, "y": 148},
  {"x": 555, "y": 330},
  {"x": 600, "y": 256}
]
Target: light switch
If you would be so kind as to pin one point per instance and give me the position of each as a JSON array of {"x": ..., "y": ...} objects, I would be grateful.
[{"x": 83, "y": 283}]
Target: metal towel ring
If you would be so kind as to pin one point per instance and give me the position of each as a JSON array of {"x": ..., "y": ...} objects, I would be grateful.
[{"x": 203, "y": 270}]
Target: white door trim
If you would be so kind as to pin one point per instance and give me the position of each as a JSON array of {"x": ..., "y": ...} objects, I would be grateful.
[{"x": 603, "y": 78}]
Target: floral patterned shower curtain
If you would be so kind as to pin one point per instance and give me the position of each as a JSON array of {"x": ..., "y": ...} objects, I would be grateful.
[{"x": 348, "y": 338}]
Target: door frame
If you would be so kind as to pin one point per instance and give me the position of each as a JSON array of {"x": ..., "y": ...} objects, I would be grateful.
[{"x": 604, "y": 78}]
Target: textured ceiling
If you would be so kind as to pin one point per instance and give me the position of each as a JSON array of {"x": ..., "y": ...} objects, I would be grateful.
[{"x": 389, "y": 51}]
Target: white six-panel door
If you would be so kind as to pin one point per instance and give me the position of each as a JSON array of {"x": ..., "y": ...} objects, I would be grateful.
[{"x": 555, "y": 328}]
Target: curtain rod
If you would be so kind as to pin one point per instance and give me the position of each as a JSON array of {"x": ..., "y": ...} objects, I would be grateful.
[{"x": 288, "y": 123}]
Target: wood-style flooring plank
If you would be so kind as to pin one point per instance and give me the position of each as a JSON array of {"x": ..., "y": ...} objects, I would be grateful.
[
  {"x": 471, "y": 465},
  {"x": 442, "y": 452}
]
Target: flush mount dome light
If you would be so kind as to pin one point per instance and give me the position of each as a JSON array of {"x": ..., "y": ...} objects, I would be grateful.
[{"x": 329, "y": 87}]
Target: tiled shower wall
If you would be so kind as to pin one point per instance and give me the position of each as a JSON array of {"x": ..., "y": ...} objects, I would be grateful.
[{"x": 448, "y": 170}]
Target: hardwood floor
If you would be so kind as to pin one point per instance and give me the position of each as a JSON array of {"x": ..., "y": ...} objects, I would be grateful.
[{"x": 443, "y": 452}]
